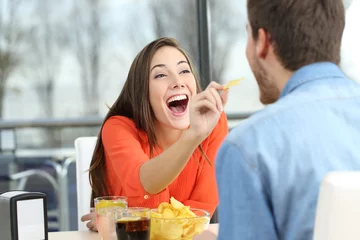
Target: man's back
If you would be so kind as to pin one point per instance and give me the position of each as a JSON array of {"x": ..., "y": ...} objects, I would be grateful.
[{"x": 270, "y": 168}]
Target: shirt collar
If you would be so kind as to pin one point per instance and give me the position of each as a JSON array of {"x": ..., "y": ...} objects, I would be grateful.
[{"x": 310, "y": 73}]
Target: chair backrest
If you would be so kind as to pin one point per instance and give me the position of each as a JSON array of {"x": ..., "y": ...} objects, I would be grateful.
[
  {"x": 338, "y": 207},
  {"x": 84, "y": 147}
]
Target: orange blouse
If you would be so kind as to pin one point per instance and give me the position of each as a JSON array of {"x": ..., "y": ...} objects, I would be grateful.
[{"x": 127, "y": 148}]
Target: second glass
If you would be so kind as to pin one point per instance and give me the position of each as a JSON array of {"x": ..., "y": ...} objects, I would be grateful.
[
  {"x": 133, "y": 224},
  {"x": 105, "y": 208}
]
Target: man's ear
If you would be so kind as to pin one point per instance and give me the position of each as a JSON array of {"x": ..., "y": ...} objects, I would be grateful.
[{"x": 262, "y": 43}]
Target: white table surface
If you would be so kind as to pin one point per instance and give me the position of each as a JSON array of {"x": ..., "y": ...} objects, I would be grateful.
[{"x": 87, "y": 235}]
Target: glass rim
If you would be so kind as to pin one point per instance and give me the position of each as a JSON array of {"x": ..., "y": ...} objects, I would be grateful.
[
  {"x": 206, "y": 214},
  {"x": 110, "y": 198},
  {"x": 139, "y": 209},
  {"x": 132, "y": 210}
]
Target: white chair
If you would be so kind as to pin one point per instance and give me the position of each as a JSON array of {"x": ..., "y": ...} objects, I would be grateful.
[
  {"x": 349, "y": 43},
  {"x": 338, "y": 207},
  {"x": 84, "y": 147}
]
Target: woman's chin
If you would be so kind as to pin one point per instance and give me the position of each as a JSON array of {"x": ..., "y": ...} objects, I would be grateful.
[
  {"x": 180, "y": 126},
  {"x": 179, "y": 122}
]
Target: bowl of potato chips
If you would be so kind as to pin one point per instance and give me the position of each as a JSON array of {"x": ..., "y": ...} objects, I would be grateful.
[{"x": 174, "y": 221}]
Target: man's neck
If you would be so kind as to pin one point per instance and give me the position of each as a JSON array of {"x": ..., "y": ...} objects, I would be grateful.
[{"x": 280, "y": 76}]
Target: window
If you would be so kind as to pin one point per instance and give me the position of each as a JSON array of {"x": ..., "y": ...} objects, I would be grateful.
[{"x": 228, "y": 39}]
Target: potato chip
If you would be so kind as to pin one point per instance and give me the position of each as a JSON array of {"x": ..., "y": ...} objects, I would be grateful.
[
  {"x": 176, "y": 212},
  {"x": 189, "y": 212},
  {"x": 189, "y": 231},
  {"x": 163, "y": 205},
  {"x": 168, "y": 213},
  {"x": 171, "y": 230},
  {"x": 175, "y": 203},
  {"x": 156, "y": 215},
  {"x": 232, "y": 83}
]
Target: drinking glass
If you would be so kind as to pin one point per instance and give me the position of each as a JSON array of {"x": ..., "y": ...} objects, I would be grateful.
[
  {"x": 105, "y": 208},
  {"x": 133, "y": 223}
]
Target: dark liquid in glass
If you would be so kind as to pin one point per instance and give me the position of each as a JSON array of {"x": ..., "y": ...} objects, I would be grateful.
[{"x": 138, "y": 229}]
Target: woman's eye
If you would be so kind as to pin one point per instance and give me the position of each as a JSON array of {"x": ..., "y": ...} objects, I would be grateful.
[
  {"x": 160, "y": 75},
  {"x": 185, "y": 71}
]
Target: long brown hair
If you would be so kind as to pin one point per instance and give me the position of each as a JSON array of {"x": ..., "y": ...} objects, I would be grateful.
[{"x": 133, "y": 102}]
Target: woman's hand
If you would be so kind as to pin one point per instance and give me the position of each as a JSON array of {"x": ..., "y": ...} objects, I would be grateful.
[
  {"x": 91, "y": 217},
  {"x": 205, "y": 110}
]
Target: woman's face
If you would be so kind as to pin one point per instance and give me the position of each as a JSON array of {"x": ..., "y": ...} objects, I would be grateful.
[{"x": 171, "y": 87}]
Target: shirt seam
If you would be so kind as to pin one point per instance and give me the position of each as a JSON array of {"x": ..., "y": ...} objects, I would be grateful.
[
  {"x": 282, "y": 109},
  {"x": 301, "y": 81}
]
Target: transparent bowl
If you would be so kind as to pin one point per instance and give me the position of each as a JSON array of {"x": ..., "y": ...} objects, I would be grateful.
[{"x": 179, "y": 228}]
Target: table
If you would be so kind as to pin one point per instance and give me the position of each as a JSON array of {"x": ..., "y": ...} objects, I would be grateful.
[{"x": 87, "y": 235}]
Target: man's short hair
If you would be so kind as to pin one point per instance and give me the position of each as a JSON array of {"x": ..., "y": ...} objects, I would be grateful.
[{"x": 302, "y": 31}]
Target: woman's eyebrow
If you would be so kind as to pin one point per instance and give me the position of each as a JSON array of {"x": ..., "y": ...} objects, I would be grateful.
[
  {"x": 163, "y": 65},
  {"x": 158, "y": 65},
  {"x": 182, "y": 62}
]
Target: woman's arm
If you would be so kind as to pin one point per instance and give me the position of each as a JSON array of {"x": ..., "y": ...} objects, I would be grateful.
[
  {"x": 162, "y": 170},
  {"x": 205, "y": 110},
  {"x": 128, "y": 164}
]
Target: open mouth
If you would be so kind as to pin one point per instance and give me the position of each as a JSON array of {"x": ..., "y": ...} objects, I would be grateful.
[{"x": 178, "y": 104}]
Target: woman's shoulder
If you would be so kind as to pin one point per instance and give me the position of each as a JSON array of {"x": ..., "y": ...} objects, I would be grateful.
[
  {"x": 119, "y": 121},
  {"x": 120, "y": 124}
]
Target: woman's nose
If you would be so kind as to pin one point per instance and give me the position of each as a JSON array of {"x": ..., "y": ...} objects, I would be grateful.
[
  {"x": 179, "y": 85},
  {"x": 178, "y": 82}
]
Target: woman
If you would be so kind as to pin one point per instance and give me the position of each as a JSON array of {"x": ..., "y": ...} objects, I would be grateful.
[{"x": 161, "y": 136}]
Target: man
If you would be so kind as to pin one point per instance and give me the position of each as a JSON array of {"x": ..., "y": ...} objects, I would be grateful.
[{"x": 269, "y": 169}]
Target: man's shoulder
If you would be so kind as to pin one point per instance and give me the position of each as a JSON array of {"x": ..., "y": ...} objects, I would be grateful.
[
  {"x": 294, "y": 110},
  {"x": 258, "y": 121}
]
